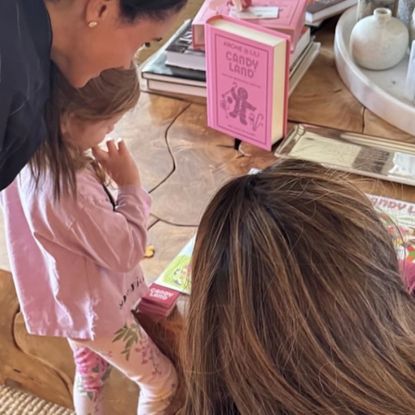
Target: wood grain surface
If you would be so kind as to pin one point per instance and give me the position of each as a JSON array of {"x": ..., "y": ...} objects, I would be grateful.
[
  {"x": 373, "y": 125},
  {"x": 144, "y": 130},
  {"x": 204, "y": 160},
  {"x": 321, "y": 98}
]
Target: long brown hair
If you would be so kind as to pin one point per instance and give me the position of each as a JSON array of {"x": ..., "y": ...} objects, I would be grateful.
[
  {"x": 297, "y": 305},
  {"x": 114, "y": 92}
]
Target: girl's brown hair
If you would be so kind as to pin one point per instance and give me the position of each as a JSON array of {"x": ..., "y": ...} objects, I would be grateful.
[
  {"x": 297, "y": 305},
  {"x": 113, "y": 93}
]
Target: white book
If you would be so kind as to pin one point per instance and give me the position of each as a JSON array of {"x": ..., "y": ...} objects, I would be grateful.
[
  {"x": 171, "y": 88},
  {"x": 180, "y": 52},
  {"x": 303, "y": 66},
  {"x": 323, "y": 9},
  {"x": 302, "y": 44}
]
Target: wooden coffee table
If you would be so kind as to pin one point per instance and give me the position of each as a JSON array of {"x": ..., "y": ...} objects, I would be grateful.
[{"x": 183, "y": 163}]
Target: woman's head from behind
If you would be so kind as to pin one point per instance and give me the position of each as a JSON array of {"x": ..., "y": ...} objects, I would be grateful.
[
  {"x": 297, "y": 305},
  {"x": 90, "y": 36}
]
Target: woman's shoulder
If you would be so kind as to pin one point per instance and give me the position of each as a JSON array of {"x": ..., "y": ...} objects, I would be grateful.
[
  {"x": 19, "y": 16},
  {"x": 25, "y": 40},
  {"x": 25, "y": 44}
]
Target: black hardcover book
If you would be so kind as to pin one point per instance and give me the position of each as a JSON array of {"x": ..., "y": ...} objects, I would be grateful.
[
  {"x": 181, "y": 53},
  {"x": 156, "y": 68}
]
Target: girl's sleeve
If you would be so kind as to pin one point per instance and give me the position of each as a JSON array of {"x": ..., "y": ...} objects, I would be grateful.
[{"x": 113, "y": 239}]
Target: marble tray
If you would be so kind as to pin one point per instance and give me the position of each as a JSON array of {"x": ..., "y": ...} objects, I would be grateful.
[{"x": 382, "y": 92}]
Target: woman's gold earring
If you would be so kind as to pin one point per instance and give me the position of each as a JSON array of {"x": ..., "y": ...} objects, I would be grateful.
[{"x": 92, "y": 24}]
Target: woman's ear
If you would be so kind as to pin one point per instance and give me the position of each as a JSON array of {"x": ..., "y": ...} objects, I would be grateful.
[{"x": 97, "y": 10}]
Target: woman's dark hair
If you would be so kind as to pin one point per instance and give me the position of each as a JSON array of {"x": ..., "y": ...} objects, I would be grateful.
[
  {"x": 297, "y": 306},
  {"x": 153, "y": 9}
]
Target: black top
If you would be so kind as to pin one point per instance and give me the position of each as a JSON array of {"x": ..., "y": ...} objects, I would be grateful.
[{"x": 25, "y": 43}]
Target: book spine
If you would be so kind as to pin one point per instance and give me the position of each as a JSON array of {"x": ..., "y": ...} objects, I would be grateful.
[
  {"x": 286, "y": 85},
  {"x": 299, "y": 21},
  {"x": 210, "y": 76},
  {"x": 270, "y": 103},
  {"x": 277, "y": 104},
  {"x": 198, "y": 38},
  {"x": 198, "y": 23}
]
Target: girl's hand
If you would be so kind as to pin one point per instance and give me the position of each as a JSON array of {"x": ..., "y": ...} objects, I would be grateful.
[{"x": 118, "y": 163}]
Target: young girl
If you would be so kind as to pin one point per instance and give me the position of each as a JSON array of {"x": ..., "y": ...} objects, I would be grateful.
[
  {"x": 75, "y": 251},
  {"x": 297, "y": 306}
]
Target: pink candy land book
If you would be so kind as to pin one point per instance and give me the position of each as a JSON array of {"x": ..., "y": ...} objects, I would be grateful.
[
  {"x": 247, "y": 80},
  {"x": 290, "y": 18}
]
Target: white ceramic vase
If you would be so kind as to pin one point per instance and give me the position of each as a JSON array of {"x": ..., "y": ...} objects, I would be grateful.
[{"x": 380, "y": 41}]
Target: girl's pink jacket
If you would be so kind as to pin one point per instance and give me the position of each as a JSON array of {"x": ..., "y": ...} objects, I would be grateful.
[{"x": 75, "y": 262}]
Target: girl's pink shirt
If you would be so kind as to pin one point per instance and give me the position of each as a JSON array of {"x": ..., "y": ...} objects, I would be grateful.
[{"x": 75, "y": 262}]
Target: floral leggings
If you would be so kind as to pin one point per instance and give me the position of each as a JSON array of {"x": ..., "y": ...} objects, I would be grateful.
[{"x": 132, "y": 352}]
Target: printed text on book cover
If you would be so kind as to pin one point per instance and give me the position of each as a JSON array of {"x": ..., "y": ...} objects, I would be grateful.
[{"x": 240, "y": 91}]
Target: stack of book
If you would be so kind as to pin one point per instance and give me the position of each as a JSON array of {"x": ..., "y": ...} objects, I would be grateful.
[
  {"x": 177, "y": 68},
  {"x": 180, "y": 66},
  {"x": 181, "y": 53}
]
